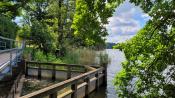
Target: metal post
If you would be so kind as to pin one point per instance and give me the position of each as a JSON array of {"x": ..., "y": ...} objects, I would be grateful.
[
  {"x": 16, "y": 56},
  {"x": 11, "y": 63},
  {"x": 11, "y": 44}
]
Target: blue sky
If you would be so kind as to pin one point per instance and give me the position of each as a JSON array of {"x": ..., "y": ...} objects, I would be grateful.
[{"x": 125, "y": 22}]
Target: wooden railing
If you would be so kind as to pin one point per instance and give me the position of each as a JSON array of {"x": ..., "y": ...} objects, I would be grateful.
[
  {"x": 69, "y": 68},
  {"x": 14, "y": 87},
  {"x": 74, "y": 82}
]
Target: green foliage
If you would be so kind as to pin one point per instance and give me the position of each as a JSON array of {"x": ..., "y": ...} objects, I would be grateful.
[
  {"x": 41, "y": 37},
  {"x": 89, "y": 20},
  {"x": 149, "y": 68},
  {"x": 7, "y": 27},
  {"x": 12, "y": 8},
  {"x": 24, "y": 32},
  {"x": 41, "y": 57}
]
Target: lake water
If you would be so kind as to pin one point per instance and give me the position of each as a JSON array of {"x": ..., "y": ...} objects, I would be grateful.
[{"x": 114, "y": 67}]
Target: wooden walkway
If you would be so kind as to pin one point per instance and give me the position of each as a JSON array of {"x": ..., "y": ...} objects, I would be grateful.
[{"x": 79, "y": 85}]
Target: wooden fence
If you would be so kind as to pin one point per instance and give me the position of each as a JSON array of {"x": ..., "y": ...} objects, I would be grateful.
[{"x": 79, "y": 86}]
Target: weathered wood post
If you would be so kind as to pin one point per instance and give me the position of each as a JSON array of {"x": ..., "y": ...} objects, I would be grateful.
[
  {"x": 26, "y": 69},
  {"x": 87, "y": 89},
  {"x": 54, "y": 73},
  {"x": 54, "y": 95},
  {"x": 68, "y": 71},
  {"x": 74, "y": 89},
  {"x": 97, "y": 81},
  {"x": 22, "y": 66},
  {"x": 105, "y": 73},
  {"x": 39, "y": 72}
]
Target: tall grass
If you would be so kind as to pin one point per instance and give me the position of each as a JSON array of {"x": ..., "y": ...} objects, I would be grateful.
[
  {"x": 85, "y": 56},
  {"x": 82, "y": 56},
  {"x": 103, "y": 59}
]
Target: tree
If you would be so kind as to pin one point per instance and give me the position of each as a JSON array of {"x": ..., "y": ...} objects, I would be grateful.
[
  {"x": 40, "y": 37},
  {"x": 35, "y": 26},
  {"x": 7, "y": 27},
  {"x": 62, "y": 12},
  {"x": 149, "y": 67},
  {"x": 12, "y": 8},
  {"x": 9, "y": 9},
  {"x": 89, "y": 20}
]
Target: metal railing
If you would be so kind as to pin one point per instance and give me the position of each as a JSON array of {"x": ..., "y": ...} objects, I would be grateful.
[
  {"x": 10, "y": 54},
  {"x": 2, "y": 45},
  {"x": 7, "y": 44}
]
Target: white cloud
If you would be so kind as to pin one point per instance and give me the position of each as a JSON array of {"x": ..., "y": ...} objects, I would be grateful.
[
  {"x": 123, "y": 26},
  {"x": 125, "y": 23},
  {"x": 145, "y": 16}
]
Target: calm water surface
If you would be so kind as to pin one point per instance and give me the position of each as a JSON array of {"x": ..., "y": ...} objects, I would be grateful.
[{"x": 114, "y": 67}]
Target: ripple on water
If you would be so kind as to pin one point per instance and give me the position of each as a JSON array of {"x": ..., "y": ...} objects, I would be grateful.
[{"x": 114, "y": 67}]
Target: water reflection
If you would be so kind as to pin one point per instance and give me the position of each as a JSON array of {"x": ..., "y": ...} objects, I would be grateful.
[{"x": 114, "y": 67}]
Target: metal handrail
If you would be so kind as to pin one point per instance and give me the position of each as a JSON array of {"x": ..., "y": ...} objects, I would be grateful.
[
  {"x": 8, "y": 50},
  {"x": 7, "y": 38},
  {"x": 12, "y": 42}
]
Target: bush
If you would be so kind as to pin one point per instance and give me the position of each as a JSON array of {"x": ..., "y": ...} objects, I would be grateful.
[{"x": 37, "y": 55}]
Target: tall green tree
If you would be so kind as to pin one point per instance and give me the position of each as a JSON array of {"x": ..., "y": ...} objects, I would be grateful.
[
  {"x": 88, "y": 22},
  {"x": 62, "y": 12},
  {"x": 7, "y": 27},
  {"x": 36, "y": 27}
]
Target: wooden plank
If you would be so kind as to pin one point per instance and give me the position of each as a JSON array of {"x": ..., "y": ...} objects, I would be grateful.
[
  {"x": 56, "y": 64},
  {"x": 56, "y": 70}
]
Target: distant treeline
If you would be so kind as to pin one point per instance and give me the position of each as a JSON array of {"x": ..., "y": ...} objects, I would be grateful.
[{"x": 110, "y": 45}]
